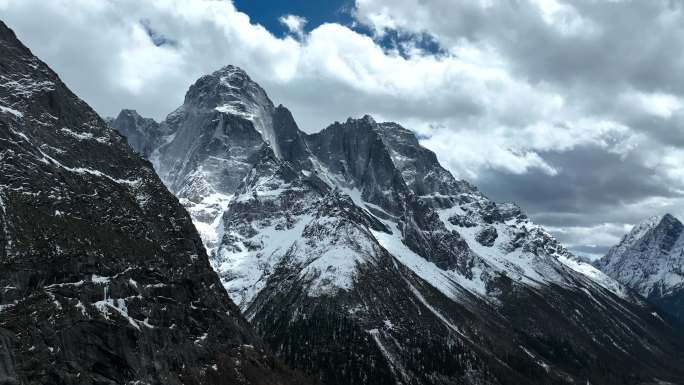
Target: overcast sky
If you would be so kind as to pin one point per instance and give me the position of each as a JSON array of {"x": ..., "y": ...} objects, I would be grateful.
[{"x": 572, "y": 109}]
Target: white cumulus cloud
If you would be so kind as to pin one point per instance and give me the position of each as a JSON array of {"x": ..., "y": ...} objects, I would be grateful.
[
  {"x": 520, "y": 97},
  {"x": 294, "y": 23}
]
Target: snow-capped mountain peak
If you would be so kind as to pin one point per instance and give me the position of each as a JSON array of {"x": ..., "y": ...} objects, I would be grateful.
[
  {"x": 355, "y": 243},
  {"x": 231, "y": 91},
  {"x": 104, "y": 279},
  {"x": 650, "y": 260}
]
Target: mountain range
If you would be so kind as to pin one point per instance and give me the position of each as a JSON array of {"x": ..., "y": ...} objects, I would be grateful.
[
  {"x": 226, "y": 246},
  {"x": 361, "y": 260}
]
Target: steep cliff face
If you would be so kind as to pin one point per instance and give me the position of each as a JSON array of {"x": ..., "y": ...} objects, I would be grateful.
[
  {"x": 103, "y": 277},
  {"x": 363, "y": 261},
  {"x": 650, "y": 260}
]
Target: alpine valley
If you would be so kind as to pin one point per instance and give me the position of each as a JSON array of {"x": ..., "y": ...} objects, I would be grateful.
[
  {"x": 246, "y": 251},
  {"x": 361, "y": 260}
]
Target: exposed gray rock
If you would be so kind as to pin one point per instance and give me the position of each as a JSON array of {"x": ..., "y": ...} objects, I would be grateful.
[
  {"x": 143, "y": 134},
  {"x": 487, "y": 235},
  {"x": 103, "y": 278},
  {"x": 419, "y": 166},
  {"x": 462, "y": 221}
]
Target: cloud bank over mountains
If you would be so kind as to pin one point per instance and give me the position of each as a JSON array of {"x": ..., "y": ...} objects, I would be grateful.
[{"x": 573, "y": 109}]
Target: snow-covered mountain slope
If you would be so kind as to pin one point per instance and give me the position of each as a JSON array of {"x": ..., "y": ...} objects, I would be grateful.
[
  {"x": 650, "y": 260},
  {"x": 103, "y": 279},
  {"x": 447, "y": 221},
  {"x": 364, "y": 261}
]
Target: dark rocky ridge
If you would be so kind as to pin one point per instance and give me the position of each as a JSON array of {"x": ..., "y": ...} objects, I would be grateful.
[
  {"x": 363, "y": 261},
  {"x": 361, "y": 155},
  {"x": 418, "y": 165},
  {"x": 103, "y": 278},
  {"x": 292, "y": 141}
]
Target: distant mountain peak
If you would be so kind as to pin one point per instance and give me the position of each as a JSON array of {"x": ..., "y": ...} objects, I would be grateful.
[
  {"x": 229, "y": 75},
  {"x": 650, "y": 260},
  {"x": 230, "y": 91},
  {"x": 232, "y": 70},
  {"x": 670, "y": 219},
  {"x": 663, "y": 231},
  {"x": 656, "y": 220},
  {"x": 142, "y": 133},
  {"x": 129, "y": 112},
  {"x": 228, "y": 85},
  {"x": 135, "y": 118},
  {"x": 234, "y": 78}
]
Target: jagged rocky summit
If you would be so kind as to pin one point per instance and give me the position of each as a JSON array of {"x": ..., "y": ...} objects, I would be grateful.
[
  {"x": 363, "y": 261},
  {"x": 103, "y": 278},
  {"x": 650, "y": 260}
]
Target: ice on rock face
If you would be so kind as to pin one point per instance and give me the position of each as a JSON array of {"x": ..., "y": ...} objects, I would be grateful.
[{"x": 5, "y": 109}]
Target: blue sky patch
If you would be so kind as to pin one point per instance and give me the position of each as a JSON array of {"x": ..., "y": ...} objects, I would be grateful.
[{"x": 267, "y": 12}]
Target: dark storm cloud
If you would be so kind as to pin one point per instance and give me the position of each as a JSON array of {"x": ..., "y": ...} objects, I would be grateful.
[
  {"x": 611, "y": 61},
  {"x": 666, "y": 131},
  {"x": 589, "y": 179},
  {"x": 618, "y": 44},
  {"x": 592, "y": 187}
]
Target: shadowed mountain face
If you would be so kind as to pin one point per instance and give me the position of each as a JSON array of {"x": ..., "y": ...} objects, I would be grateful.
[
  {"x": 143, "y": 134},
  {"x": 650, "y": 260},
  {"x": 363, "y": 261},
  {"x": 103, "y": 278}
]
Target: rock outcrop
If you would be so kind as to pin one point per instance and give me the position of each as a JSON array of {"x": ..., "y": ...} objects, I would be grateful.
[{"x": 103, "y": 278}]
